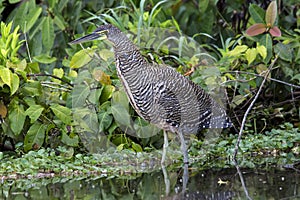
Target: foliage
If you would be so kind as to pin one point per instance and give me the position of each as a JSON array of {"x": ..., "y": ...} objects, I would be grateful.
[{"x": 56, "y": 95}]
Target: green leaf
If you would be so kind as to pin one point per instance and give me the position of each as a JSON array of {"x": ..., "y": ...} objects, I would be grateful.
[
  {"x": 105, "y": 121},
  {"x": 44, "y": 58},
  {"x": 79, "y": 95},
  {"x": 106, "y": 93},
  {"x": 17, "y": 117},
  {"x": 48, "y": 33},
  {"x": 121, "y": 115},
  {"x": 5, "y": 75},
  {"x": 63, "y": 113},
  {"x": 32, "y": 17},
  {"x": 70, "y": 141},
  {"x": 81, "y": 58},
  {"x": 136, "y": 147},
  {"x": 34, "y": 112},
  {"x": 59, "y": 21},
  {"x": 15, "y": 81},
  {"x": 285, "y": 52},
  {"x": 35, "y": 136},
  {"x": 32, "y": 88},
  {"x": 266, "y": 41},
  {"x": 271, "y": 13},
  {"x": 251, "y": 55},
  {"x": 257, "y": 13}
]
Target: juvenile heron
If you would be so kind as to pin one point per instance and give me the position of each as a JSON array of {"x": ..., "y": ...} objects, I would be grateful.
[{"x": 158, "y": 93}]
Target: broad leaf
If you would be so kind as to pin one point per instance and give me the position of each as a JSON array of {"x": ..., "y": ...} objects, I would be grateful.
[
  {"x": 16, "y": 118},
  {"x": 266, "y": 41},
  {"x": 271, "y": 13},
  {"x": 45, "y": 59},
  {"x": 35, "y": 136},
  {"x": 250, "y": 55},
  {"x": 61, "y": 112},
  {"x": 257, "y": 13},
  {"x": 70, "y": 141},
  {"x": 81, "y": 58},
  {"x": 48, "y": 33},
  {"x": 105, "y": 121},
  {"x": 275, "y": 31},
  {"x": 34, "y": 112},
  {"x": 256, "y": 29}
]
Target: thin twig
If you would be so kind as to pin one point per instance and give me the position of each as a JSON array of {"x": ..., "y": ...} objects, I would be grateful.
[
  {"x": 269, "y": 78},
  {"x": 52, "y": 76},
  {"x": 26, "y": 43},
  {"x": 250, "y": 107}
]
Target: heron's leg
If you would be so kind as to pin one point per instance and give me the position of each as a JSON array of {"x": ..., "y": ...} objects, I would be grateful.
[
  {"x": 185, "y": 177},
  {"x": 183, "y": 148},
  {"x": 166, "y": 144},
  {"x": 167, "y": 180}
]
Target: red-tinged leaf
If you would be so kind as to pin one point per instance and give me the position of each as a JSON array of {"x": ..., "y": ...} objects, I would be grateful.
[
  {"x": 256, "y": 29},
  {"x": 275, "y": 31},
  {"x": 271, "y": 13}
]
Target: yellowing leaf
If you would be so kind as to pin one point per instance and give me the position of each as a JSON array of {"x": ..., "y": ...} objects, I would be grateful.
[
  {"x": 102, "y": 77},
  {"x": 250, "y": 55},
  {"x": 5, "y": 75},
  {"x": 15, "y": 81},
  {"x": 238, "y": 50},
  {"x": 105, "y": 54},
  {"x": 262, "y": 50},
  {"x": 81, "y": 58}
]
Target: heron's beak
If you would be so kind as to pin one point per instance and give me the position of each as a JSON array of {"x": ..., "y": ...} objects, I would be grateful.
[{"x": 93, "y": 36}]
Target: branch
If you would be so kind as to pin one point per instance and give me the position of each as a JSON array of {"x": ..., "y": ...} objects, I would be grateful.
[
  {"x": 258, "y": 75},
  {"x": 249, "y": 108},
  {"x": 52, "y": 76}
]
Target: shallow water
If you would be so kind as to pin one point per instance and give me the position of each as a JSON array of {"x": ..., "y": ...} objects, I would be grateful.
[{"x": 211, "y": 184}]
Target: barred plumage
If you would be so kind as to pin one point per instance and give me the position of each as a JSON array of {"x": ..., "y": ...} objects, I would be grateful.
[{"x": 158, "y": 93}]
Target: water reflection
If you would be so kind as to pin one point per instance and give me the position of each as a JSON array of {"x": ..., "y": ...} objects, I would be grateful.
[{"x": 169, "y": 184}]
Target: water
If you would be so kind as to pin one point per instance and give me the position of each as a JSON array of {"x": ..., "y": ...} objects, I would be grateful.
[{"x": 275, "y": 183}]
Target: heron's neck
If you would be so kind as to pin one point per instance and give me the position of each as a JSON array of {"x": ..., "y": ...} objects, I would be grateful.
[{"x": 127, "y": 55}]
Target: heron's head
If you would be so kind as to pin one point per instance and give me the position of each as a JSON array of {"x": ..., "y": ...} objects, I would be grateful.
[{"x": 106, "y": 31}]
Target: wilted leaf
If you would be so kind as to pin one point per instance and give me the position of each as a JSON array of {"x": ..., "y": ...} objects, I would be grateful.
[
  {"x": 256, "y": 29},
  {"x": 271, "y": 13},
  {"x": 102, "y": 77}
]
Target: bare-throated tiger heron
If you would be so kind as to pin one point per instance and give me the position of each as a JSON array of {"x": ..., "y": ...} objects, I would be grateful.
[{"x": 158, "y": 93}]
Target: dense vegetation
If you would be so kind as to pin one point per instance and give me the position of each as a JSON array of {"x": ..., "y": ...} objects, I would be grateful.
[{"x": 53, "y": 95}]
